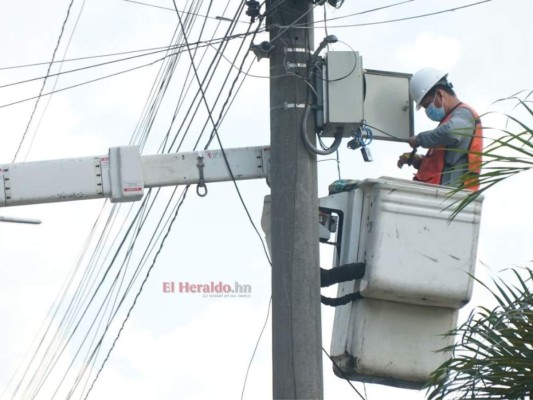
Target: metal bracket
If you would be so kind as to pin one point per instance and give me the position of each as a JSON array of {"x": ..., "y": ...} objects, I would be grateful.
[
  {"x": 290, "y": 65},
  {"x": 6, "y": 184},
  {"x": 286, "y": 106},
  {"x": 201, "y": 183},
  {"x": 262, "y": 50},
  {"x": 98, "y": 173},
  {"x": 297, "y": 50}
]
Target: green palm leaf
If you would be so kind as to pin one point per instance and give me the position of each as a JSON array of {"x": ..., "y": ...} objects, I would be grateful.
[
  {"x": 493, "y": 354},
  {"x": 509, "y": 150}
]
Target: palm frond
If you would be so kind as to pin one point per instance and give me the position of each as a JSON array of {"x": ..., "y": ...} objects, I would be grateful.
[
  {"x": 506, "y": 155},
  {"x": 493, "y": 356}
]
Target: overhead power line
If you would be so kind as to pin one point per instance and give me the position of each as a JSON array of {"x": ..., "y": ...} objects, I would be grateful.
[
  {"x": 45, "y": 369},
  {"x": 93, "y": 80},
  {"x": 151, "y": 49},
  {"x": 218, "y": 18},
  {"x": 147, "y": 52},
  {"x": 44, "y": 82},
  {"x": 175, "y": 215},
  {"x": 230, "y": 94},
  {"x": 312, "y": 26},
  {"x": 363, "y": 12}
]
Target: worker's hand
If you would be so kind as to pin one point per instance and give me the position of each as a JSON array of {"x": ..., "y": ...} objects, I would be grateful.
[
  {"x": 409, "y": 159},
  {"x": 403, "y": 160},
  {"x": 413, "y": 142}
]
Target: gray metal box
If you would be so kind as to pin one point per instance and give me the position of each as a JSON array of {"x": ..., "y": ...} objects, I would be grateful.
[
  {"x": 343, "y": 92},
  {"x": 388, "y": 109}
]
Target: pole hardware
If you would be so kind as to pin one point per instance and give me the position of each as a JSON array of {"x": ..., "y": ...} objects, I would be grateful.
[
  {"x": 253, "y": 10},
  {"x": 262, "y": 50},
  {"x": 201, "y": 188}
]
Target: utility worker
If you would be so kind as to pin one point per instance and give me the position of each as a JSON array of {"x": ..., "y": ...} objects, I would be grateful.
[{"x": 455, "y": 145}]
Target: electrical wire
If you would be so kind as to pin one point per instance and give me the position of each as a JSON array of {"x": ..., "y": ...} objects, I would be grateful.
[
  {"x": 44, "y": 83},
  {"x": 104, "y": 308},
  {"x": 54, "y": 309},
  {"x": 246, "y": 209},
  {"x": 151, "y": 49},
  {"x": 354, "y": 66},
  {"x": 66, "y": 342},
  {"x": 184, "y": 12},
  {"x": 293, "y": 24},
  {"x": 80, "y": 84},
  {"x": 228, "y": 104},
  {"x": 325, "y": 20},
  {"x": 246, "y": 73},
  {"x": 396, "y": 138},
  {"x": 256, "y": 346},
  {"x": 157, "y": 51},
  {"x": 136, "y": 274},
  {"x": 343, "y": 374},
  {"x": 61, "y": 346},
  {"x": 214, "y": 64},
  {"x": 36, "y": 129},
  {"x": 115, "y": 308},
  {"x": 305, "y": 139},
  {"x": 225, "y": 112},
  {"x": 157, "y": 95},
  {"x": 338, "y": 164},
  {"x": 106, "y": 359},
  {"x": 398, "y": 19},
  {"x": 215, "y": 130},
  {"x": 83, "y": 83},
  {"x": 108, "y": 353},
  {"x": 81, "y": 69},
  {"x": 101, "y": 368},
  {"x": 202, "y": 91},
  {"x": 138, "y": 292}
]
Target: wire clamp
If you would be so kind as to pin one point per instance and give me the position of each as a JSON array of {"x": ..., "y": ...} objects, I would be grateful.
[
  {"x": 296, "y": 50},
  {"x": 201, "y": 188},
  {"x": 286, "y": 105},
  {"x": 290, "y": 65}
]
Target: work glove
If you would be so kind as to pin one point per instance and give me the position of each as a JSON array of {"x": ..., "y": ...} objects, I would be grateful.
[{"x": 410, "y": 158}]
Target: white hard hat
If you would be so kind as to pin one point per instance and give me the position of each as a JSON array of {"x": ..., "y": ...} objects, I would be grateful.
[{"x": 422, "y": 82}]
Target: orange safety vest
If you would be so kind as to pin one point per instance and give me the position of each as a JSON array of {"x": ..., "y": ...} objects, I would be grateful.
[{"x": 433, "y": 163}]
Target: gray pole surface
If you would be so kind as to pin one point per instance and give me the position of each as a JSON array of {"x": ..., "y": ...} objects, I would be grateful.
[{"x": 296, "y": 322}]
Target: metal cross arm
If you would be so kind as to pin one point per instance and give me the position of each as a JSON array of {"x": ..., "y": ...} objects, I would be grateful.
[{"x": 123, "y": 174}]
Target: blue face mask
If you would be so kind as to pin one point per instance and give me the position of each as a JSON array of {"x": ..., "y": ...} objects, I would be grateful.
[{"x": 436, "y": 114}]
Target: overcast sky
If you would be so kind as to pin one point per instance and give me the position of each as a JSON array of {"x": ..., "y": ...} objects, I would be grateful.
[{"x": 183, "y": 345}]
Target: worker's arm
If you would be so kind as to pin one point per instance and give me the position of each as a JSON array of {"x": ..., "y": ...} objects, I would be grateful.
[{"x": 459, "y": 128}]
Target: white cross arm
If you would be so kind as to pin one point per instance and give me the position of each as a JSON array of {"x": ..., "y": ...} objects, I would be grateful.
[{"x": 123, "y": 174}]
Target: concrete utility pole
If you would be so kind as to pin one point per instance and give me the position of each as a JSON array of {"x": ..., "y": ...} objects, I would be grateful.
[{"x": 296, "y": 322}]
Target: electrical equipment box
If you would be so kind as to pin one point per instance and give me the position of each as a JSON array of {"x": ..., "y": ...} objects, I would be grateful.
[
  {"x": 419, "y": 268},
  {"x": 125, "y": 174},
  {"x": 388, "y": 107},
  {"x": 342, "y": 91}
]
